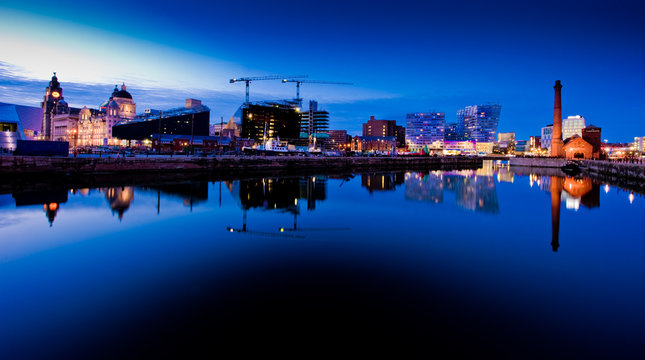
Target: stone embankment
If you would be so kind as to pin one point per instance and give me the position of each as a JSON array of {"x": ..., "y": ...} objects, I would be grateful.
[
  {"x": 618, "y": 170},
  {"x": 537, "y": 162},
  {"x": 33, "y": 165}
]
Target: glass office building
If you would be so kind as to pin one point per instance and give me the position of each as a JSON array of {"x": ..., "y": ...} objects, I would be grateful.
[
  {"x": 478, "y": 122},
  {"x": 425, "y": 129}
]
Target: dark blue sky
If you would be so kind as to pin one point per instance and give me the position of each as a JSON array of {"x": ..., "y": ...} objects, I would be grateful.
[{"x": 403, "y": 56}]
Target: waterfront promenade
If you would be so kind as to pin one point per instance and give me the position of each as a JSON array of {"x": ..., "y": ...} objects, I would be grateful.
[{"x": 35, "y": 165}]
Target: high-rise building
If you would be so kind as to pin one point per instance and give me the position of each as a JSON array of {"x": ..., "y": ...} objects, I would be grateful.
[
  {"x": 478, "y": 122},
  {"x": 425, "y": 130},
  {"x": 451, "y": 134},
  {"x": 314, "y": 123},
  {"x": 572, "y": 125}
]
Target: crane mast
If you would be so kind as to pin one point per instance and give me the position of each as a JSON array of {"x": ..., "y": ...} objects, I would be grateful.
[{"x": 298, "y": 82}]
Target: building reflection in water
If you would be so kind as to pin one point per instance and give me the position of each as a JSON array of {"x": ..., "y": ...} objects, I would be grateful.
[
  {"x": 277, "y": 194},
  {"x": 119, "y": 199},
  {"x": 474, "y": 189},
  {"x": 382, "y": 182},
  {"x": 556, "y": 191},
  {"x": 50, "y": 200},
  {"x": 574, "y": 192},
  {"x": 191, "y": 193}
]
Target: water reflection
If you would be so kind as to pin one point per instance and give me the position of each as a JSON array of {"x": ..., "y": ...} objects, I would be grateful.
[
  {"x": 277, "y": 194},
  {"x": 473, "y": 192},
  {"x": 50, "y": 200},
  {"x": 382, "y": 182},
  {"x": 119, "y": 199},
  {"x": 432, "y": 253}
]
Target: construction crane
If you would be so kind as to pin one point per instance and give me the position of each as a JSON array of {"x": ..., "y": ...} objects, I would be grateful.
[
  {"x": 248, "y": 80},
  {"x": 298, "y": 82}
]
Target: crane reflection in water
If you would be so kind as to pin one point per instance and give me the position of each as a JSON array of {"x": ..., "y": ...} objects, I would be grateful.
[{"x": 277, "y": 194}]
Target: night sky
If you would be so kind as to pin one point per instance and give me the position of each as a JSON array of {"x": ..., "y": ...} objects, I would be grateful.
[{"x": 403, "y": 56}]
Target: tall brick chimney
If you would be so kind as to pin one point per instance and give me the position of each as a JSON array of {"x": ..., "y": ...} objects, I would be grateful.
[{"x": 556, "y": 141}]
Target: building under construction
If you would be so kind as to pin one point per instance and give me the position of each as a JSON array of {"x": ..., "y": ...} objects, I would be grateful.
[{"x": 280, "y": 119}]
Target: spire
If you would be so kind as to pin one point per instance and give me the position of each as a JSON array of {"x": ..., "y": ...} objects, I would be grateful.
[{"x": 123, "y": 87}]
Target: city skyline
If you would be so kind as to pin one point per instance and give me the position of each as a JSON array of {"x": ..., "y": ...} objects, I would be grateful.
[{"x": 403, "y": 58}]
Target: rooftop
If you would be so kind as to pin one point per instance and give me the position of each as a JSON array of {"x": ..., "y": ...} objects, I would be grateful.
[{"x": 168, "y": 113}]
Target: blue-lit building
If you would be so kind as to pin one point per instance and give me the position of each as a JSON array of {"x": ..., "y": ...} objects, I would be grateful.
[
  {"x": 478, "y": 122},
  {"x": 425, "y": 130},
  {"x": 18, "y": 122}
]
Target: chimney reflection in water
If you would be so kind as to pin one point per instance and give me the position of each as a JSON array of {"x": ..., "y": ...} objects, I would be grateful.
[{"x": 556, "y": 191}]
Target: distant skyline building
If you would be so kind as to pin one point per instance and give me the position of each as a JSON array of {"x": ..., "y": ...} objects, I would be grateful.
[
  {"x": 572, "y": 125},
  {"x": 425, "y": 130},
  {"x": 384, "y": 128},
  {"x": 314, "y": 123},
  {"x": 478, "y": 122},
  {"x": 374, "y": 127},
  {"x": 639, "y": 142},
  {"x": 339, "y": 138},
  {"x": 535, "y": 142},
  {"x": 506, "y": 142},
  {"x": 545, "y": 138}
]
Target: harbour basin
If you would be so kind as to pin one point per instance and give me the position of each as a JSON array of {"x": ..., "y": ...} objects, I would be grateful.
[{"x": 486, "y": 262}]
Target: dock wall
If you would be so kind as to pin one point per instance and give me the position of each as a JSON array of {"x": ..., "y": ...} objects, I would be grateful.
[{"x": 21, "y": 165}]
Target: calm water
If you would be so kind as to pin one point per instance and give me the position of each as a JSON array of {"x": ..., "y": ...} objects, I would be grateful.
[{"x": 462, "y": 263}]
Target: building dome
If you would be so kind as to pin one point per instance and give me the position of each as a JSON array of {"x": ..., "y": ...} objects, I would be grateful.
[{"x": 123, "y": 94}]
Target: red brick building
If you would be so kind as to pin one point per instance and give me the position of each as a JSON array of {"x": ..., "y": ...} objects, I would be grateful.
[{"x": 576, "y": 148}]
